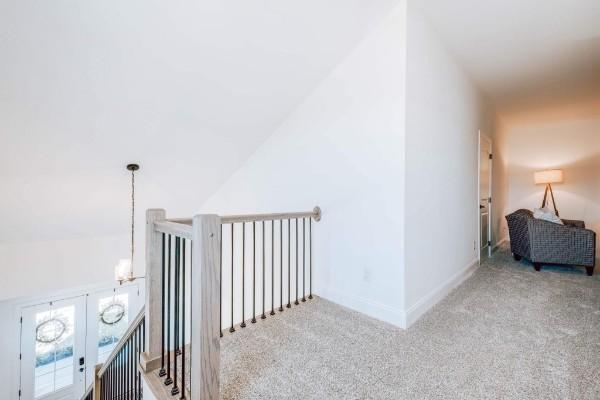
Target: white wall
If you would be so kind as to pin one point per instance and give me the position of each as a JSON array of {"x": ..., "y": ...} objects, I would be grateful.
[
  {"x": 39, "y": 268},
  {"x": 543, "y": 136},
  {"x": 342, "y": 149},
  {"x": 444, "y": 112}
]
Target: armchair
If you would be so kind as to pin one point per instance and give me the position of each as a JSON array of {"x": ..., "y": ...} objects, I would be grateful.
[{"x": 544, "y": 242}]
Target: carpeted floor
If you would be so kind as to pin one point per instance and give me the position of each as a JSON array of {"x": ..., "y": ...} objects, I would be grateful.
[{"x": 507, "y": 333}]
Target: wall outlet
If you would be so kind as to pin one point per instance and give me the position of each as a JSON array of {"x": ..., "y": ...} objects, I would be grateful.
[{"x": 367, "y": 275}]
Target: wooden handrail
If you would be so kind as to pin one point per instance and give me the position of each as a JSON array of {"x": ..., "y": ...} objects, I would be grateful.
[
  {"x": 176, "y": 228},
  {"x": 228, "y": 219},
  {"x": 113, "y": 354}
]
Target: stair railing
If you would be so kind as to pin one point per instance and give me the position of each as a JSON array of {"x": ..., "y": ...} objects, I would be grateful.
[
  {"x": 118, "y": 377},
  {"x": 186, "y": 255}
]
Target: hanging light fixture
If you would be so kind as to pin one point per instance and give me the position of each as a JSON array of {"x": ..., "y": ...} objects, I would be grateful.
[{"x": 124, "y": 268}]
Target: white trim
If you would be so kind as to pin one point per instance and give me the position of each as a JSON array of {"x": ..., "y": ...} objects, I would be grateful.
[
  {"x": 374, "y": 309},
  {"x": 499, "y": 243},
  {"x": 490, "y": 205},
  {"x": 428, "y": 301}
]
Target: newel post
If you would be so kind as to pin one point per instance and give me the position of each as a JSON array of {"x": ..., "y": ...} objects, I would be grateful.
[
  {"x": 154, "y": 284},
  {"x": 97, "y": 382},
  {"x": 206, "y": 285}
]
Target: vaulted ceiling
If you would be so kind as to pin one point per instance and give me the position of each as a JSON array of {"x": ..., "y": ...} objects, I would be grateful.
[
  {"x": 522, "y": 48},
  {"x": 187, "y": 89}
]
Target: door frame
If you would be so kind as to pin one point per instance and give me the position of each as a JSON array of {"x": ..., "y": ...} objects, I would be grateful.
[
  {"x": 484, "y": 138},
  {"x": 15, "y": 382},
  {"x": 77, "y": 388}
]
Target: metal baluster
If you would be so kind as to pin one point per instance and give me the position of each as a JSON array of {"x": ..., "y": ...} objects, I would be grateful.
[
  {"x": 296, "y": 302},
  {"x": 130, "y": 362},
  {"x": 289, "y": 303},
  {"x": 220, "y": 280},
  {"x": 253, "y": 272},
  {"x": 310, "y": 296},
  {"x": 243, "y": 324},
  {"x": 263, "y": 316},
  {"x": 121, "y": 373},
  {"x": 280, "y": 265},
  {"x": 162, "y": 371},
  {"x": 303, "y": 259},
  {"x": 272, "y": 267},
  {"x": 168, "y": 380},
  {"x": 232, "y": 329},
  {"x": 183, "y": 325},
  {"x": 175, "y": 388}
]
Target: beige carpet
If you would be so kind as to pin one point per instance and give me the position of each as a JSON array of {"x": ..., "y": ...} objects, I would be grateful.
[{"x": 506, "y": 333}]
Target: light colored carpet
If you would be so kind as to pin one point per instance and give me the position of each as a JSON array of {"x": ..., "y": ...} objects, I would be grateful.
[{"x": 507, "y": 333}]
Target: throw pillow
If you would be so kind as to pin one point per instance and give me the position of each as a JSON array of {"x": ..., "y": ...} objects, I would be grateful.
[{"x": 547, "y": 215}]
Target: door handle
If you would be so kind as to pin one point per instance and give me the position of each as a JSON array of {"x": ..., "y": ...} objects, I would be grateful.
[{"x": 81, "y": 369}]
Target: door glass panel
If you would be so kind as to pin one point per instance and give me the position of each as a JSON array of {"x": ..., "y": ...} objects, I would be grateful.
[
  {"x": 113, "y": 316},
  {"x": 54, "y": 350}
]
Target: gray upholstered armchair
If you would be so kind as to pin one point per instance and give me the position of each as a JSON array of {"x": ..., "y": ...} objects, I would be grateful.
[{"x": 544, "y": 242}]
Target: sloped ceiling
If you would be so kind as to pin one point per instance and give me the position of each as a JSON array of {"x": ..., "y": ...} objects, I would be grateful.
[
  {"x": 515, "y": 48},
  {"x": 187, "y": 89}
]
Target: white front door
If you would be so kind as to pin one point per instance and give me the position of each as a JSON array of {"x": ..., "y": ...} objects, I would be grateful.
[
  {"x": 53, "y": 361},
  {"x": 109, "y": 314}
]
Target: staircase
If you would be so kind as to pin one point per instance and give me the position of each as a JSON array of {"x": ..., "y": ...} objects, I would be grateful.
[{"x": 228, "y": 272}]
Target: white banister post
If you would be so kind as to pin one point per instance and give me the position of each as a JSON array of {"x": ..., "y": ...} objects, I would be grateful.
[
  {"x": 154, "y": 284},
  {"x": 206, "y": 285}
]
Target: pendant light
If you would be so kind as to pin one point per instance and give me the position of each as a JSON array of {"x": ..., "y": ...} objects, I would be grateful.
[{"x": 124, "y": 268}]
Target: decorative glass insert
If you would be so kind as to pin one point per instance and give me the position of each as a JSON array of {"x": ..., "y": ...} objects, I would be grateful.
[
  {"x": 113, "y": 315},
  {"x": 54, "y": 336}
]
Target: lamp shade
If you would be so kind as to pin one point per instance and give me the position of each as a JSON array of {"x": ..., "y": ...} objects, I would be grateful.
[
  {"x": 124, "y": 270},
  {"x": 548, "y": 176}
]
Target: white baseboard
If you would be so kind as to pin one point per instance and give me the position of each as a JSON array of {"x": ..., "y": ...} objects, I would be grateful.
[
  {"x": 502, "y": 241},
  {"x": 426, "y": 302},
  {"x": 371, "y": 308}
]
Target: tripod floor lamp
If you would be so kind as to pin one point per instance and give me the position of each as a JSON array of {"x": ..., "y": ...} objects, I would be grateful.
[{"x": 548, "y": 177}]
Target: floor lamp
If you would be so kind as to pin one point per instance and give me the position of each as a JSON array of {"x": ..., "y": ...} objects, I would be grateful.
[{"x": 548, "y": 177}]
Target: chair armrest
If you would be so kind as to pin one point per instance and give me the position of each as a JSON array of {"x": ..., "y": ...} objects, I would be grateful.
[
  {"x": 573, "y": 222},
  {"x": 561, "y": 244}
]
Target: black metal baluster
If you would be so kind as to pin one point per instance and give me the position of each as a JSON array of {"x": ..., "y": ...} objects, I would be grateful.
[
  {"x": 289, "y": 303},
  {"x": 220, "y": 280},
  {"x": 243, "y": 324},
  {"x": 168, "y": 380},
  {"x": 303, "y": 259},
  {"x": 162, "y": 371},
  {"x": 310, "y": 296},
  {"x": 122, "y": 373},
  {"x": 280, "y": 265},
  {"x": 296, "y": 302},
  {"x": 232, "y": 329},
  {"x": 253, "y": 272},
  {"x": 272, "y": 267},
  {"x": 131, "y": 369},
  {"x": 113, "y": 380},
  {"x": 183, "y": 324},
  {"x": 175, "y": 388},
  {"x": 263, "y": 316}
]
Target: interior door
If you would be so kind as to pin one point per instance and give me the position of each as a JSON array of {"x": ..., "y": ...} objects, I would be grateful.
[
  {"x": 485, "y": 194},
  {"x": 109, "y": 314},
  {"x": 53, "y": 350}
]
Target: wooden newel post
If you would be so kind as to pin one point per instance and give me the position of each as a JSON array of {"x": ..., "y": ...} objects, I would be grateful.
[
  {"x": 97, "y": 387},
  {"x": 206, "y": 286},
  {"x": 154, "y": 284}
]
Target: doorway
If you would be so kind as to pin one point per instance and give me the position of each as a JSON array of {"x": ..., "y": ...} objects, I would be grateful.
[
  {"x": 484, "y": 196},
  {"x": 64, "y": 339}
]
